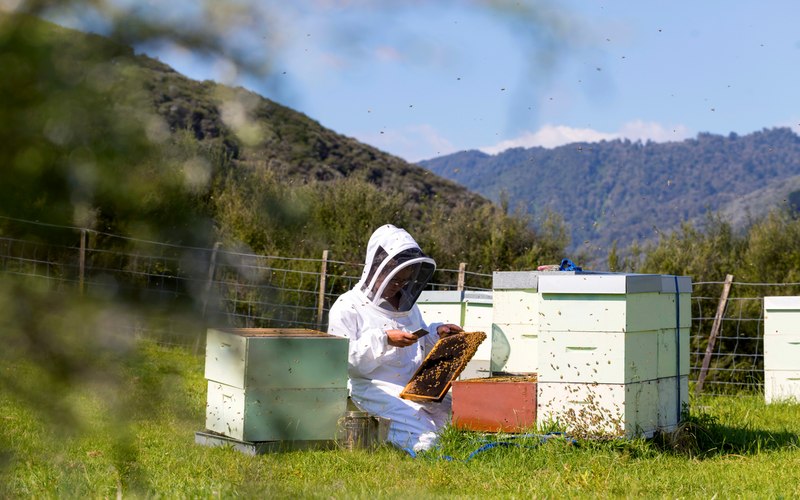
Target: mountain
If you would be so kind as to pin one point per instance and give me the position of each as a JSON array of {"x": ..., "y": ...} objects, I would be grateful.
[
  {"x": 622, "y": 191},
  {"x": 291, "y": 143},
  {"x": 99, "y": 137}
]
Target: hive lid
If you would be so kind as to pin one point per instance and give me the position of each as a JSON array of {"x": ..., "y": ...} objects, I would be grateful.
[
  {"x": 441, "y": 366},
  {"x": 273, "y": 332},
  {"x": 782, "y": 303},
  {"x": 590, "y": 282}
]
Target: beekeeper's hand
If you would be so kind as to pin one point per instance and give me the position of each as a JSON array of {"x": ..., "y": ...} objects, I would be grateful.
[
  {"x": 448, "y": 329},
  {"x": 400, "y": 338}
]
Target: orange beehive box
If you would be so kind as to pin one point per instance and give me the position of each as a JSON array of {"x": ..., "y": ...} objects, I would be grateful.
[{"x": 495, "y": 404}]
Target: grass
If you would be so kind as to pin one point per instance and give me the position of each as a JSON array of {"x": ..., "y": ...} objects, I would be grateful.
[{"x": 131, "y": 433}]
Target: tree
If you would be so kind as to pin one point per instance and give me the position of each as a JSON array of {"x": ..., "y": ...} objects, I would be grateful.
[{"x": 83, "y": 147}]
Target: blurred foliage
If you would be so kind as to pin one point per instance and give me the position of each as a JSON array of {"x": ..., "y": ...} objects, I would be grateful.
[{"x": 82, "y": 146}]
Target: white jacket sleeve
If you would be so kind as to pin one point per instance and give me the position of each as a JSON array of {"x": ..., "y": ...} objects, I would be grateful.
[{"x": 367, "y": 346}]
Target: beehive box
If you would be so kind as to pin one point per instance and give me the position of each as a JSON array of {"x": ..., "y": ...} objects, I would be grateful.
[
  {"x": 441, "y": 306},
  {"x": 613, "y": 357},
  {"x": 616, "y": 344},
  {"x": 781, "y": 348},
  {"x": 472, "y": 310},
  {"x": 613, "y": 302},
  {"x": 275, "y": 384},
  {"x": 673, "y": 398},
  {"x": 515, "y": 322},
  {"x": 600, "y": 410},
  {"x": 512, "y": 408}
]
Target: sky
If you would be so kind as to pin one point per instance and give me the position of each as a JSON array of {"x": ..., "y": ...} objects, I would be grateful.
[{"x": 420, "y": 79}]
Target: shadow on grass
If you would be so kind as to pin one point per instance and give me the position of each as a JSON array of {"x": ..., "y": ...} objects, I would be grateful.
[{"x": 702, "y": 436}]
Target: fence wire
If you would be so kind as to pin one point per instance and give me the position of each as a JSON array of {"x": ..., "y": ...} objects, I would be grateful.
[{"x": 179, "y": 291}]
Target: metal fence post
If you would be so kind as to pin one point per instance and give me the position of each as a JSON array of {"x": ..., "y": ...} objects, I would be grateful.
[
  {"x": 712, "y": 337},
  {"x": 321, "y": 298}
]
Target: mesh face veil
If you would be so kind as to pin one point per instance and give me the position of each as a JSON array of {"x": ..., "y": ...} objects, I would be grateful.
[{"x": 397, "y": 271}]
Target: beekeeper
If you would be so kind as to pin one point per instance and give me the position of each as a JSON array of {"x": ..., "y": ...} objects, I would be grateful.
[{"x": 378, "y": 315}]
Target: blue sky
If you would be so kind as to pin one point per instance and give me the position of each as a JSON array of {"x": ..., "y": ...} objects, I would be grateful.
[{"x": 420, "y": 79}]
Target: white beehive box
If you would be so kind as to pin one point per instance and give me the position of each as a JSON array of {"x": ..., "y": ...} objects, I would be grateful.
[
  {"x": 636, "y": 409},
  {"x": 613, "y": 344},
  {"x": 515, "y": 318},
  {"x": 478, "y": 318},
  {"x": 593, "y": 410},
  {"x": 471, "y": 310},
  {"x": 613, "y": 302},
  {"x": 622, "y": 337},
  {"x": 673, "y": 398},
  {"x": 612, "y": 357},
  {"x": 441, "y": 306},
  {"x": 781, "y": 348},
  {"x": 275, "y": 385}
]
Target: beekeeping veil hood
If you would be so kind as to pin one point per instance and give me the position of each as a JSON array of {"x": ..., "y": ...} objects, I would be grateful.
[{"x": 395, "y": 262}]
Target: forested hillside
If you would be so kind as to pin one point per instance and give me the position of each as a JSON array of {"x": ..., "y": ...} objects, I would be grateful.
[
  {"x": 627, "y": 191},
  {"x": 96, "y": 136}
]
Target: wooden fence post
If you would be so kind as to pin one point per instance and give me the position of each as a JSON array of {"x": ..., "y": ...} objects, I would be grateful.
[
  {"x": 321, "y": 298},
  {"x": 712, "y": 337},
  {"x": 82, "y": 262},
  {"x": 212, "y": 269},
  {"x": 462, "y": 270}
]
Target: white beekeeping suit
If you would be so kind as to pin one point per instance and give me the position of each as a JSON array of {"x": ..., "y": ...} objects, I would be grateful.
[{"x": 378, "y": 371}]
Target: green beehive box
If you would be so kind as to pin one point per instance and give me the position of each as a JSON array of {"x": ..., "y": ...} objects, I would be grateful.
[{"x": 275, "y": 384}]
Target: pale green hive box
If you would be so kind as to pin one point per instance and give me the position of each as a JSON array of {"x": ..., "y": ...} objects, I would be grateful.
[
  {"x": 275, "y": 384},
  {"x": 472, "y": 310}
]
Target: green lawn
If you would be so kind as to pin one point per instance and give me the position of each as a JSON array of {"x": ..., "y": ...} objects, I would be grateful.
[{"x": 131, "y": 431}]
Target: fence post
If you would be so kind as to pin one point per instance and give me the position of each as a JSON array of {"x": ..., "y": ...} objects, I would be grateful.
[
  {"x": 712, "y": 337},
  {"x": 212, "y": 269},
  {"x": 321, "y": 298},
  {"x": 82, "y": 261},
  {"x": 462, "y": 270}
]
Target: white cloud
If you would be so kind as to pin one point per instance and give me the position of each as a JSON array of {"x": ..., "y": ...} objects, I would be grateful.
[
  {"x": 793, "y": 124},
  {"x": 386, "y": 53},
  {"x": 652, "y": 131},
  {"x": 551, "y": 136},
  {"x": 422, "y": 142}
]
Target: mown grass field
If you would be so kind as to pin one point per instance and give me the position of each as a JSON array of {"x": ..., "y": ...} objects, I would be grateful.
[{"x": 131, "y": 434}]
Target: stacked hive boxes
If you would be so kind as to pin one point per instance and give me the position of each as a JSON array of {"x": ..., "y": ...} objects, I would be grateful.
[
  {"x": 611, "y": 350},
  {"x": 781, "y": 348},
  {"x": 472, "y": 310},
  {"x": 275, "y": 385},
  {"x": 515, "y": 328}
]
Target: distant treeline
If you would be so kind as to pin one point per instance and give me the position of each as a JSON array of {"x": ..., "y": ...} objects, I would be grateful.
[{"x": 628, "y": 191}]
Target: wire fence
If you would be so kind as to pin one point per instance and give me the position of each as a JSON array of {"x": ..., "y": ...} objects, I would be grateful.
[{"x": 178, "y": 291}]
